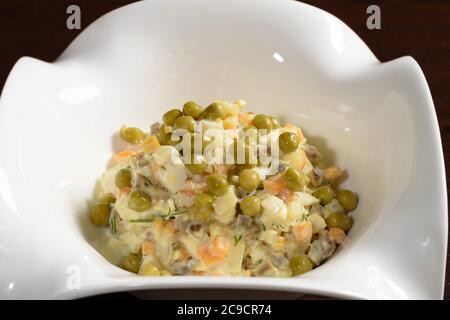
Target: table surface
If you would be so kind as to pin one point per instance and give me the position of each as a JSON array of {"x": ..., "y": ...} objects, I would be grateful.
[{"x": 417, "y": 28}]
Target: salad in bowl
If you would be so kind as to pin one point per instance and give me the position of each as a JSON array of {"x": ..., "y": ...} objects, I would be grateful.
[{"x": 221, "y": 191}]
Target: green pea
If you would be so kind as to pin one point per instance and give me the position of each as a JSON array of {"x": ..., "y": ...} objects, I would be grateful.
[
  {"x": 170, "y": 116},
  {"x": 241, "y": 167},
  {"x": 217, "y": 185},
  {"x": 131, "y": 263},
  {"x": 339, "y": 220},
  {"x": 294, "y": 179},
  {"x": 149, "y": 270},
  {"x": 249, "y": 180},
  {"x": 251, "y": 128},
  {"x": 139, "y": 201},
  {"x": 288, "y": 142},
  {"x": 123, "y": 178},
  {"x": 214, "y": 111},
  {"x": 163, "y": 137},
  {"x": 192, "y": 109},
  {"x": 276, "y": 123},
  {"x": 100, "y": 214},
  {"x": 203, "y": 200},
  {"x": 347, "y": 199},
  {"x": 300, "y": 264},
  {"x": 132, "y": 135},
  {"x": 196, "y": 168},
  {"x": 203, "y": 206},
  {"x": 325, "y": 194},
  {"x": 250, "y": 206},
  {"x": 185, "y": 122},
  {"x": 108, "y": 198},
  {"x": 263, "y": 122}
]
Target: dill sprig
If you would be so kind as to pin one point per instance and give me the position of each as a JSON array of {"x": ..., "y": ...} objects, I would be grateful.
[
  {"x": 165, "y": 216},
  {"x": 113, "y": 221},
  {"x": 237, "y": 239}
]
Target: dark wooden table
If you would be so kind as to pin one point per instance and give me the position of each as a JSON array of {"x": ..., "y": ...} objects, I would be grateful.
[{"x": 415, "y": 27}]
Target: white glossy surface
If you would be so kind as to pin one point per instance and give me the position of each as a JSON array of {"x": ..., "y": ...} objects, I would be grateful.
[{"x": 58, "y": 123}]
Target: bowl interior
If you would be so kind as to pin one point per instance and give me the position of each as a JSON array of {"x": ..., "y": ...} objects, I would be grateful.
[{"x": 229, "y": 55}]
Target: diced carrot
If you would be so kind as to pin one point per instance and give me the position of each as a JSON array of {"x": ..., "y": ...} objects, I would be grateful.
[
  {"x": 148, "y": 248},
  {"x": 124, "y": 154},
  {"x": 274, "y": 185},
  {"x": 197, "y": 273},
  {"x": 244, "y": 118},
  {"x": 150, "y": 144},
  {"x": 214, "y": 251},
  {"x": 221, "y": 169},
  {"x": 125, "y": 190},
  {"x": 184, "y": 255},
  {"x": 332, "y": 173},
  {"x": 303, "y": 232},
  {"x": 287, "y": 195},
  {"x": 337, "y": 235},
  {"x": 230, "y": 123},
  {"x": 170, "y": 227},
  {"x": 158, "y": 224}
]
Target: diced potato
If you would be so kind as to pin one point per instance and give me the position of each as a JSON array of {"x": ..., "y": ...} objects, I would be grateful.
[
  {"x": 296, "y": 212},
  {"x": 318, "y": 223},
  {"x": 274, "y": 215},
  {"x": 306, "y": 199},
  {"x": 191, "y": 243},
  {"x": 167, "y": 155},
  {"x": 256, "y": 251},
  {"x": 268, "y": 236},
  {"x": 150, "y": 144},
  {"x": 231, "y": 109},
  {"x": 173, "y": 173},
  {"x": 234, "y": 258},
  {"x": 210, "y": 127},
  {"x": 132, "y": 240},
  {"x": 297, "y": 159},
  {"x": 225, "y": 206}
]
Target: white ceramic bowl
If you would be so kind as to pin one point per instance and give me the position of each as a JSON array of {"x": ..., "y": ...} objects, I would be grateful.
[{"x": 58, "y": 123}]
